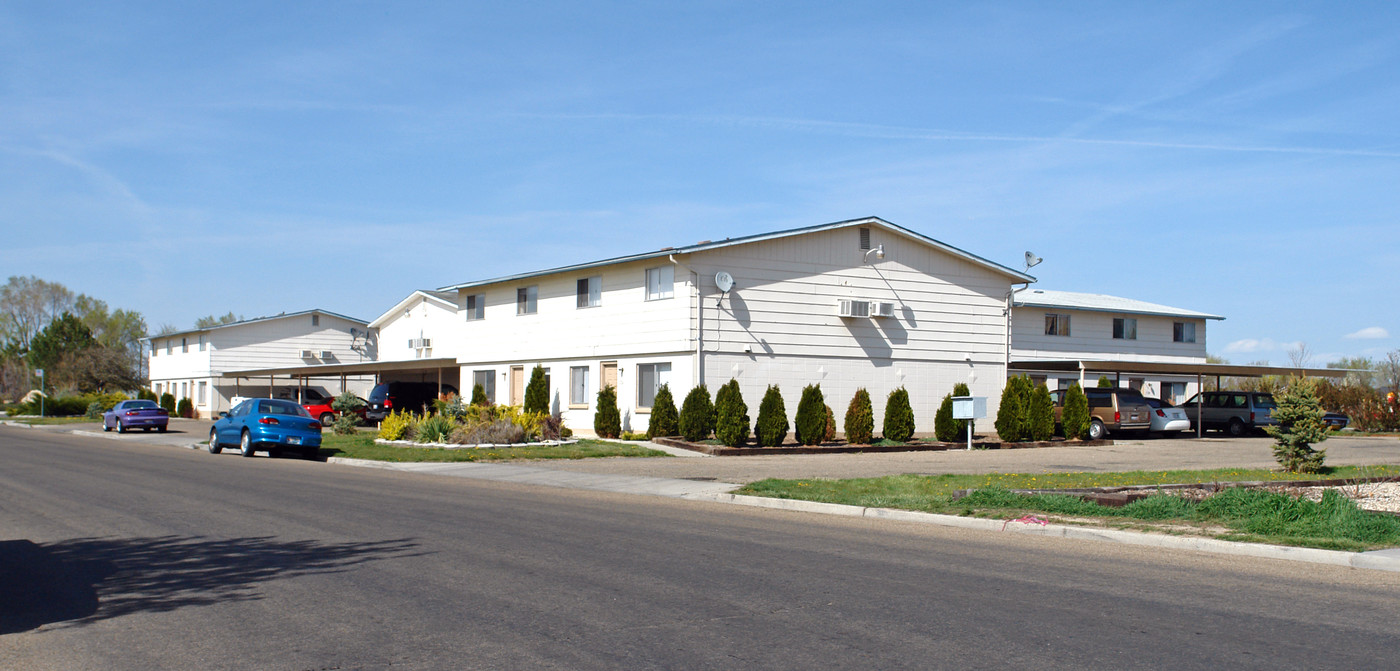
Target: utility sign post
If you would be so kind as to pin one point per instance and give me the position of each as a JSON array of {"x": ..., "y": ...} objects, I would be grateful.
[
  {"x": 969, "y": 407},
  {"x": 40, "y": 373}
]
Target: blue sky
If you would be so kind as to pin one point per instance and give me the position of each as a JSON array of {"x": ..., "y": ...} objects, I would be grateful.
[{"x": 183, "y": 159}]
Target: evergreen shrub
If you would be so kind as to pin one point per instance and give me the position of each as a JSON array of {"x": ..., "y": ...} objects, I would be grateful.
[
  {"x": 1041, "y": 419},
  {"x": 665, "y": 421},
  {"x": 772, "y": 425},
  {"x": 537, "y": 392},
  {"x": 607, "y": 421},
  {"x": 860, "y": 419},
  {"x": 731, "y": 415},
  {"x": 697, "y": 420},
  {"x": 811, "y": 416},
  {"x": 899, "y": 417},
  {"x": 1074, "y": 417}
]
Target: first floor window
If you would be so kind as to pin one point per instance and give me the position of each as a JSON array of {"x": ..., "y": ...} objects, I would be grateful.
[
  {"x": 486, "y": 379},
  {"x": 203, "y": 393},
  {"x": 578, "y": 385},
  {"x": 476, "y": 307},
  {"x": 590, "y": 292},
  {"x": 1125, "y": 328},
  {"x": 1056, "y": 324},
  {"x": 527, "y": 300},
  {"x": 1184, "y": 332},
  {"x": 659, "y": 282},
  {"x": 650, "y": 377}
]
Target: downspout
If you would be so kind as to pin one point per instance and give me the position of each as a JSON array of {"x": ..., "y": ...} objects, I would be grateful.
[{"x": 698, "y": 370}]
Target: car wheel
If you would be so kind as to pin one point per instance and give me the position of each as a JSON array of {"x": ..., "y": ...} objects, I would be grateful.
[
  {"x": 214, "y": 447},
  {"x": 245, "y": 444},
  {"x": 104, "y": 425},
  {"x": 1096, "y": 430},
  {"x": 120, "y": 428},
  {"x": 147, "y": 429},
  {"x": 327, "y": 418},
  {"x": 162, "y": 428},
  {"x": 1237, "y": 428}
]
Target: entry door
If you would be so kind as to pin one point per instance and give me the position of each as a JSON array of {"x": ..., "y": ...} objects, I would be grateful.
[
  {"x": 609, "y": 375},
  {"x": 517, "y": 385}
]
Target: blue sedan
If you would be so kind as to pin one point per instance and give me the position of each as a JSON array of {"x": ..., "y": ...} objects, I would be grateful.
[{"x": 266, "y": 424}]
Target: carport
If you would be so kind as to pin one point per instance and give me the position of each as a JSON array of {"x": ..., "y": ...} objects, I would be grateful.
[
  {"x": 1086, "y": 368},
  {"x": 442, "y": 370}
]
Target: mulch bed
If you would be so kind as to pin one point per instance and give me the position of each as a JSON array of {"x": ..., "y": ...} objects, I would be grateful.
[{"x": 847, "y": 448}]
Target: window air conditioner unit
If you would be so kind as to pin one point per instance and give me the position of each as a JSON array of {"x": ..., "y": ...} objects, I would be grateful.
[
  {"x": 853, "y": 308},
  {"x": 307, "y": 354},
  {"x": 425, "y": 342},
  {"x": 327, "y": 354},
  {"x": 882, "y": 309}
]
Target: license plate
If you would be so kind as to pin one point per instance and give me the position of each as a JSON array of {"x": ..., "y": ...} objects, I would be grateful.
[{"x": 294, "y": 441}]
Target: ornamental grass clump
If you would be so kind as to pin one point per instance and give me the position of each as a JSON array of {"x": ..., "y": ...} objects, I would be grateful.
[
  {"x": 432, "y": 429},
  {"x": 1299, "y": 416},
  {"x": 665, "y": 421},
  {"x": 860, "y": 419},
  {"x": 731, "y": 415},
  {"x": 899, "y": 417},
  {"x": 772, "y": 425},
  {"x": 811, "y": 416},
  {"x": 607, "y": 421},
  {"x": 697, "y": 419},
  {"x": 1075, "y": 416}
]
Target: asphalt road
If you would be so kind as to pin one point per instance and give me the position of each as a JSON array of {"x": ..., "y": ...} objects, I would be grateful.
[{"x": 117, "y": 555}]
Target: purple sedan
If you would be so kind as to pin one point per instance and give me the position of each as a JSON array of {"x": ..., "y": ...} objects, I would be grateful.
[{"x": 135, "y": 415}]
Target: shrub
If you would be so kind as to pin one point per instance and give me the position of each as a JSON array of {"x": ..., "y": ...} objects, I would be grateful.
[
  {"x": 772, "y": 425},
  {"x": 347, "y": 402},
  {"x": 433, "y": 429},
  {"x": 479, "y": 395},
  {"x": 830, "y": 433},
  {"x": 1105, "y": 383},
  {"x": 899, "y": 417},
  {"x": 395, "y": 425},
  {"x": 731, "y": 415},
  {"x": 110, "y": 399},
  {"x": 665, "y": 421},
  {"x": 1011, "y": 414},
  {"x": 945, "y": 428},
  {"x": 552, "y": 428},
  {"x": 961, "y": 389},
  {"x": 860, "y": 419},
  {"x": 1041, "y": 418},
  {"x": 607, "y": 421},
  {"x": 537, "y": 391},
  {"x": 494, "y": 432},
  {"x": 1300, "y": 426},
  {"x": 185, "y": 408},
  {"x": 811, "y": 416},
  {"x": 145, "y": 394},
  {"x": 345, "y": 424},
  {"x": 697, "y": 419},
  {"x": 167, "y": 401},
  {"x": 628, "y": 435},
  {"x": 1074, "y": 418},
  {"x": 94, "y": 410}
]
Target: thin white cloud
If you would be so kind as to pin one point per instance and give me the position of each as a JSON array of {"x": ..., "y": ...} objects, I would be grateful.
[
  {"x": 1369, "y": 333},
  {"x": 1249, "y": 345}
]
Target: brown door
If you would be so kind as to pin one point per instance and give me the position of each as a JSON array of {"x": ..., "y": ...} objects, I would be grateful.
[
  {"x": 517, "y": 385},
  {"x": 609, "y": 374}
]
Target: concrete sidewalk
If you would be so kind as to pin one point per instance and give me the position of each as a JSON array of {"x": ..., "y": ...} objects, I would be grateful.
[{"x": 531, "y": 475}]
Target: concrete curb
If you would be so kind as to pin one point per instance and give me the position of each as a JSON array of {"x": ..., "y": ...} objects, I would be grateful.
[{"x": 1381, "y": 560}]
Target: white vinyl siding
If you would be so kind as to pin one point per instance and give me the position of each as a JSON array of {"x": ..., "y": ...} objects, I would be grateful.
[{"x": 660, "y": 281}]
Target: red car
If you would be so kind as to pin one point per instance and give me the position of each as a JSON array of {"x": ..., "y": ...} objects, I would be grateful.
[{"x": 323, "y": 411}]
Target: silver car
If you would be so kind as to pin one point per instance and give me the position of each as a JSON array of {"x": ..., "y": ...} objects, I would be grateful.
[{"x": 1167, "y": 418}]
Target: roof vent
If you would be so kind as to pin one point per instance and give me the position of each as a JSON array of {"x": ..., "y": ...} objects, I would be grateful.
[{"x": 864, "y": 238}]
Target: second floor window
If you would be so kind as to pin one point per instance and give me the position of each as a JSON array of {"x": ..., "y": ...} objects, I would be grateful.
[
  {"x": 1184, "y": 332},
  {"x": 659, "y": 281},
  {"x": 590, "y": 292},
  {"x": 476, "y": 307},
  {"x": 527, "y": 300},
  {"x": 1056, "y": 324},
  {"x": 1125, "y": 328}
]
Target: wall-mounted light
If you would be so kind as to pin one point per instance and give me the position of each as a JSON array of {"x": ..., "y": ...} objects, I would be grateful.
[{"x": 879, "y": 253}]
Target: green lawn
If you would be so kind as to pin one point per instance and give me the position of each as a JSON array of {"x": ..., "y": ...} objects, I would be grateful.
[
  {"x": 1242, "y": 515},
  {"x": 46, "y": 421},
  {"x": 362, "y": 446}
]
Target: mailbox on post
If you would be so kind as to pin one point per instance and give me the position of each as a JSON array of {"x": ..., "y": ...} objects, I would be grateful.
[{"x": 969, "y": 407}]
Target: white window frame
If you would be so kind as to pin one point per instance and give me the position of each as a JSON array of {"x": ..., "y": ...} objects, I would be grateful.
[
  {"x": 169, "y": 346},
  {"x": 1125, "y": 328},
  {"x": 589, "y": 291},
  {"x": 660, "y": 373},
  {"x": 578, "y": 386},
  {"x": 475, "y": 307},
  {"x": 201, "y": 342},
  {"x": 660, "y": 283},
  {"x": 1057, "y": 324},
  {"x": 487, "y": 380},
  {"x": 527, "y": 300},
  {"x": 1180, "y": 332}
]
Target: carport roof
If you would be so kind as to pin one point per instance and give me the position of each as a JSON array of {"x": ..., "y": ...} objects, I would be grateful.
[
  {"x": 1173, "y": 368},
  {"x": 344, "y": 368}
]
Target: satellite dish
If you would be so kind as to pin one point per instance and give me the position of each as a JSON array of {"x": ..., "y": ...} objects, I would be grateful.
[
  {"x": 1032, "y": 260},
  {"x": 724, "y": 281}
]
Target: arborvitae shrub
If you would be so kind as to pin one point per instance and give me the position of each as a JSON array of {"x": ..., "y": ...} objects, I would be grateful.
[
  {"x": 167, "y": 401},
  {"x": 145, "y": 394},
  {"x": 860, "y": 419},
  {"x": 772, "y": 425},
  {"x": 185, "y": 408},
  {"x": 830, "y": 433},
  {"x": 1074, "y": 417},
  {"x": 945, "y": 428},
  {"x": 1041, "y": 418},
  {"x": 899, "y": 417},
  {"x": 811, "y": 416},
  {"x": 697, "y": 420},
  {"x": 479, "y": 395},
  {"x": 961, "y": 389},
  {"x": 731, "y": 415},
  {"x": 537, "y": 392},
  {"x": 607, "y": 421},
  {"x": 665, "y": 421},
  {"x": 1105, "y": 383},
  {"x": 1010, "y": 422}
]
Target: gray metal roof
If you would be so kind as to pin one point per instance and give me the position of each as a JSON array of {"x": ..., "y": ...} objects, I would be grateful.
[
  {"x": 708, "y": 245},
  {"x": 254, "y": 320},
  {"x": 1070, "y": 300}
]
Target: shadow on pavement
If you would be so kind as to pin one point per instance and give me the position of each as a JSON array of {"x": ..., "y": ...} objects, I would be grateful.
[{"x": 87, "y": 580}]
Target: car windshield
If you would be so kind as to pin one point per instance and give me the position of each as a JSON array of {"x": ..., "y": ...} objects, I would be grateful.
[
  {"x": 281, "y": 408},
  {"x": 1264, "y": 401},
  {"x": 132, "y": 405}
]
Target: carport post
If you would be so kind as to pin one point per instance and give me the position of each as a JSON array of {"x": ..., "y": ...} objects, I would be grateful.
[
  {"x": 1200, "y": 394},
  {"x": 439, "y": 380}
]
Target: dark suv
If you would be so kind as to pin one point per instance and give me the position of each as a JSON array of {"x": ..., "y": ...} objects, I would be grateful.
[
  {"x": 411, "y": 396},
  {"x": 1111, "y": 410}
]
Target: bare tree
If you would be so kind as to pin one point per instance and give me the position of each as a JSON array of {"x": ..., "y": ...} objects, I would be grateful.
[
  {"x": 1390, "y": 370},
  {"x": 28, "y": 304},
  {"x": 1300, "y": 355}
]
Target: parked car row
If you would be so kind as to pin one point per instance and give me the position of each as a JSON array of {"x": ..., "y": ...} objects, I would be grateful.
[{"x": 1115, "y": 409}]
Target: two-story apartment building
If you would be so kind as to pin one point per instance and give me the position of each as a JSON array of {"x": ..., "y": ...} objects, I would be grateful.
[
  {"x": 1067, "y": 326},
  {"x": 860, "y": 303},
  {"x": 193, "y": 364}
]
